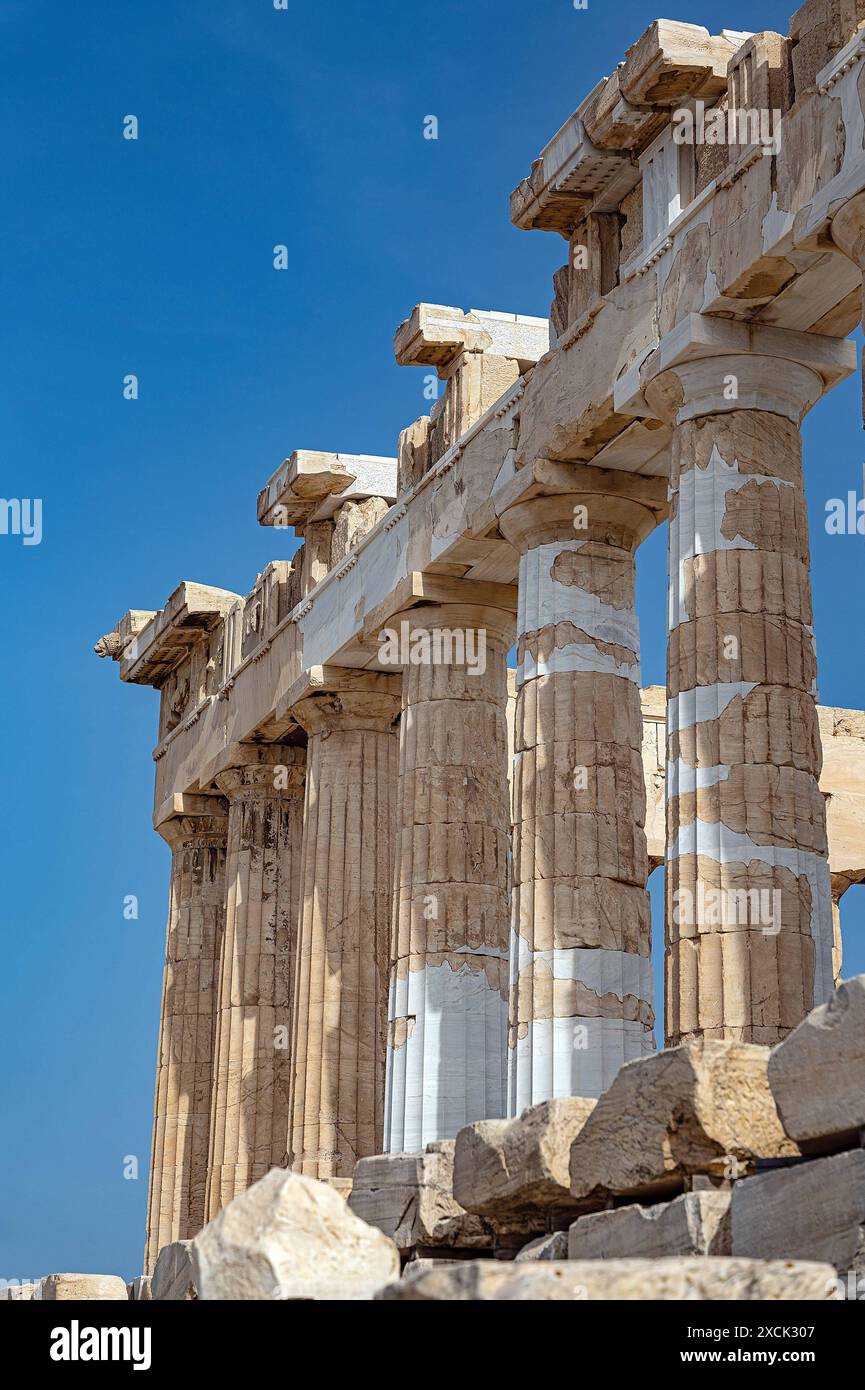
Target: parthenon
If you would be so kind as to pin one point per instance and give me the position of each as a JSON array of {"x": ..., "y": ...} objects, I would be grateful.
[{"x": 408, "y": 883}]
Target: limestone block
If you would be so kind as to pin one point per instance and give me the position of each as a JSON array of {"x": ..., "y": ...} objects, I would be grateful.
[
  {"x": 630, "y": 1280},
  {"x": 409, "y": 1197},
  {"x": 551, "y": 1247},
  {"x": 173, "y": 1275},
  {"x": 18, "y": 1293},
  {"x": 139, "y": 1289},
  {"x": 697, "y": 1223},
  {"x": 818, "y": 29},
  {"x": 507, "y": 1168},
  {"x": 817, "y": 1074},
  {"x": 815, "y": 1211},
  {"x": 704, "y": 1107},
  {"x": 353, "y": 521},
  {"x": 63, "y": 1288},
  {"x": 672, "y": 61},
  {"x": 291, "y": 1237}
]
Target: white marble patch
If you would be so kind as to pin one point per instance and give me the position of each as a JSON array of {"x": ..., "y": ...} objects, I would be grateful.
[
  {"x": 571, "y": 1057},
  {"x": 452, "y": 1069}
]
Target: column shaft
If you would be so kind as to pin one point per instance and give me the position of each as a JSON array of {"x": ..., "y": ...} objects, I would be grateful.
[
  {"x": 252, "y": 1064},
  {"x": 178, "y": 1168},
  {"x": 340, "y": 1011},
  {"x": 581, "y": 976},
  {"x": 749, "y": 909},
  {"x": 448, "y": 984}
]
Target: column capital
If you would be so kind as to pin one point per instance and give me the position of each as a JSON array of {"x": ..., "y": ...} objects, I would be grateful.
[
  {"x": 707, "y": 366},
  {"x": 848, "y": 230},
  {"x": 610, "y": 518},
  {"x": 192, "y": 818},
  {"x": 375, "y": 711},
  {"x": 264, "y": 770},
  {"x": 497, "y": 624}
]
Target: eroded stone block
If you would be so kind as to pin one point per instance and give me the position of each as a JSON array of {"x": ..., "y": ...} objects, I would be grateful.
[
  {"x": 173, "y": 1275},
  {"x": 551, "y": 1247},
  {"x": 704, "y": 1107},
  {"x": 62, "y": 1288},
  {"x": 291, "y": 1237},
  {"x": 631, "y": 1280},
  {"x": 815, "y": 1211},
  {"x": 517, "y": 1169},
  {"x": 697, "y": 1223},
  {"x": 817, "y": 1074},
  {"x": 410, "y": 1198}
]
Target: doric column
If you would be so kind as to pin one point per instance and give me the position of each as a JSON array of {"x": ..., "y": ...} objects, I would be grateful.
[
  {"x": 340, "y": 1011},
  {"x": 252, "y": 1060},
  {"x": 749, "y": 908},
  {"x": 581, "y": 977},
  {"x": 181, "y": 1123},
  {"x": 448, "y": 982}
]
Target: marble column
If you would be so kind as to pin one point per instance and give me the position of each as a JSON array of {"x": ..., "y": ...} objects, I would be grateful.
[
  {"x": 448, "y": 982},
  {"x": 340, "y": 1008},
  {"x": 581, "y": 975},
  {"x": 181, "y": 1124},
  {"x": 252, "y": 1059},
  {"x": 749, "y": 906}
]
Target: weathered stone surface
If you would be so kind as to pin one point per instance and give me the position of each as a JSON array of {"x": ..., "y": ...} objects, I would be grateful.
[
  {"x": 815, "y": 1211},
  {"x": 632, "y": 1280},
  {"x": 508, "y": 1168},
  {"x": 291, "y": 1237},
  {"x": 139, "y": 1289},
  {"x": 697, "y": 1223},
  {"x": 18, "y": 1293},
  {"x": 410, "y": 1198},
  {"x": 62, "y": 1288},
  {"x": 704, "y": 1107},
  {"x": 173, "y": 1274},
  {"x": 551, "y": 1247},
  {"x": 817, "y": 1074}
]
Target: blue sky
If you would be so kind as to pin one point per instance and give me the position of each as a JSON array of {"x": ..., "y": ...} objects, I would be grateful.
[{"x": 155, "y": 257}]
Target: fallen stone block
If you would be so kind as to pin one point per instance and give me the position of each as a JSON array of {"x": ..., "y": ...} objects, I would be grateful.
[
  {"x": 697, "y": 1223},
  {"x": 551, "y": 1247},
  {"x": 291, "y": 1237},
  {"x": 173, "y": 1276},
  {"x": 62, "y": 1288},
  {"x": 409, "y": 1196},
  {"x": 632, "y": 1280},
  {"x": 139, "y": 1289},
  {"x": 815, "y": 1211},
  {"x": 817, "y": 1074},
  {"x": 704, "y": 1107},
  {"x": 517, "y": 1170}
]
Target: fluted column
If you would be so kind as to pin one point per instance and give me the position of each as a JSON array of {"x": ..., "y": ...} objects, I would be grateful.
[
  {"x": 340, "y": 1011},
  {"x": 581, "y": 975},
  {"x": 749, "y": 907},
  {"x": 181, "y": 1123},
  {"x": 252, "y": 1059},
  {"x": 448, "y": 983}
]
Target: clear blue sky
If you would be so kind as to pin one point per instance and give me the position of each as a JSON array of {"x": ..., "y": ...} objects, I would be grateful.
[{"x": 257, "y": 127}]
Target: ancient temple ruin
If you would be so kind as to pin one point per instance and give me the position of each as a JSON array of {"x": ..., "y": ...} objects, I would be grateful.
[{"x": 408, "y": 886}]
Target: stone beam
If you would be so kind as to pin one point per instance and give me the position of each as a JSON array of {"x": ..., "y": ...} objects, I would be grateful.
[
  {"x": 311, "y": 486},
  {"x": 435, "y": 334},
  {"x": 156, "y": 648}
]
